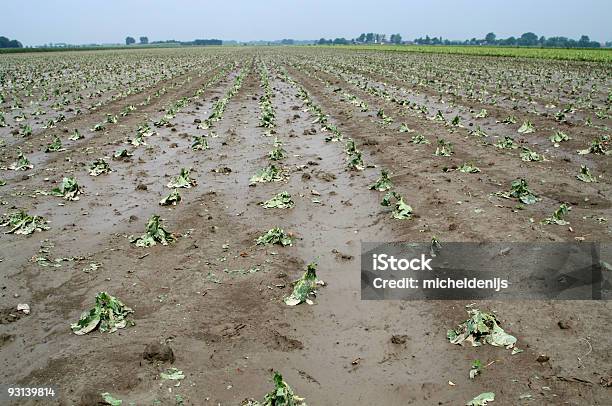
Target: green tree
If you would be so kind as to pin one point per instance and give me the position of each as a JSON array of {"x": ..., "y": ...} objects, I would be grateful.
[
  {"x": 144, "y": 40},
  {"x": 7, "y": 43},
  {"x": 528, "y": 39},
  {"x": 129, "y": 41},
  {"x": 490, "y": 38}
]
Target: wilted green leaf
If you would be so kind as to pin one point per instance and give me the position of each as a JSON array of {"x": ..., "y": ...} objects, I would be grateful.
[
  {"x": 22, "y": 223},
  {"x": 383, "y": 183},
  {"x": 479, "y": 329},
  {"x": 98, "y": 167},
  {"x": 275, "y": 236},
  {"x": 69, "y": 189},
  {"x": 183, "y": 180},
  {"x": 154, "y": 234},
  {"x": 304, "y": 287},
  {"x": 585, "y": 175},
  {"x": 482, "y": 399},
  {"x": 172, "y": 199},
  {"x": 108, "y": 314},
  {"x": 281, "y": 200}
]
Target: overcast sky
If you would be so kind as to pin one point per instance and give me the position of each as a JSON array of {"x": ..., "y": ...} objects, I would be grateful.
[{"x": 35, "y": 22}]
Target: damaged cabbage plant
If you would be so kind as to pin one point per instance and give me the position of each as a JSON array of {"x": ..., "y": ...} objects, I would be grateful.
[
  {"x": 108, "y": 314},
  {"x": 76, "y": 135},
  {"x": 136, "y": 141},
  {"x": 529, "y": 155},
  {"x": 481, "y": 328},
  {"x": 123, "y": 153},
  {"x": 275, "y": 235},
  {"x": 270, "y": 173},
  {"x": 419, "y": 139},
  {"x": 21, "y": 164},
  {"x": 21, "y": 222},
  {"x": 281, "y": 200},
  {"x": 558, "y": 216},
  {"x": 526, "y": 128},
  {"x": 478, "y": 132},
  {"x": 199, "y": 143},
  {"x": 506, "y": 143},
  {"x": 172, "y": 199},
  {"x": 468, "y": 167},
  {"x": 385, "y": 118},
  {"x": 482, "y": 400},
  {"x": 99, "y": 167},
  {"x": 456, "y": 122},
  {"x": 305, "y": 287},
  {"x": 55, "y": 145},
  {"x": 383, "y": 183},
  {"x": 403, "y": 128},
  {"x": 354, "y": 159},
  {"x": 154, "y": 233},
  {"x": 277, "y": 152},
  {"x": 444, "y": 148},
  {"x": 519, "y": 190},
  {"x": 69, "y": 189},
  {"x": 401, "y": 210},
  {"x": 145, "y": 130},
  {"x": 183, "y": 180},
  {"x": 481, "y": 114},
  {"x": 598, "y": 146},
  {"x": 585, "y": 175},
  {"x": 281, "y": 395},
  {"x": 559, "y": 137}
]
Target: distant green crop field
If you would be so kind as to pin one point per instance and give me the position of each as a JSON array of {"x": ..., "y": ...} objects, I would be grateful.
[{"x": 578, "y": 54}]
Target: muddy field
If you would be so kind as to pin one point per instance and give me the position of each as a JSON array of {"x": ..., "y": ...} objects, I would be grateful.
[{"x": 216, "y": 297}]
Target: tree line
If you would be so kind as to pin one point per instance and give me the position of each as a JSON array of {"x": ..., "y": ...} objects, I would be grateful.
[
  {"x": 528, "y": 39},
  {"x": 145, "y": 40},
  {"x": 8, "y": 43}
]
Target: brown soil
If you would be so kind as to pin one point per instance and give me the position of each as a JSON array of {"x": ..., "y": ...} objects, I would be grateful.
[{"x": 227, "y": 329}]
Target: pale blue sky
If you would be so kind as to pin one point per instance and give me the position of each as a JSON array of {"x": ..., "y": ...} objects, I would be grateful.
[{"x": 36, "y": 22}]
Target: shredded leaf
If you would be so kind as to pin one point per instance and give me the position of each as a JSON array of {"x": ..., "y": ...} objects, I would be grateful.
[
  {"x": 22, "y": 223},
  {"x": 506, "y": 143},
  {"x": 481, "y": 328},
  {"x": 529, "y": 155},
  {"x": 199, "y": 143},
  {"x": 98, "y": 167},
  {"x": 482, "y": 399},
  {"x": 585, "y": 175},
  {"x": 519, "y": 190},
  {"x": 281, "y": 395},
  {"x": 123, "y": 153},
  {"x": 270, "y": 173},
  {"x": 275, "y": 236},
  {"x": 183, "y": 180},
  {"x": 557, "y": 216},
  {"x": 444, "y": 148},
  {"x": 304, "y": 287},
  {"x": 154, "y": 233},
  {"x": 22, "y": 163},
  {"x": 468, "y": 167},
  {"x": 383, "y": 183},
  {"x": 172, "y": 199},
  {"x": 280, "y": 201},
  {"x": 111, "y": 400},
  {"x": 55, "y": 146},
  {"x": 173, "y": 374},
  {"x": 526, "y": 128},
  {"x": 108, "y": 314},
  {"x": 401, "y": 210},
  {"x": 69, "y": 189}
]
